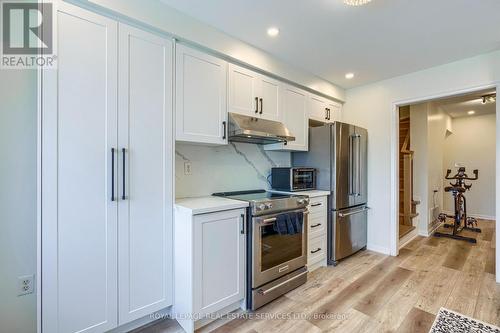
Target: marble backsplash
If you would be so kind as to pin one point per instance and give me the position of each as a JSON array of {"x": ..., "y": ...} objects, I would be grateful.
[{"x": 235, "y": 167}]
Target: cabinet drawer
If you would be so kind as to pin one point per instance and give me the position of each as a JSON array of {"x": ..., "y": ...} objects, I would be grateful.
[
  {"x": 316, "y": 226},
  {"x": 317, "y": 206},
  {"x": 316, "y": 250}
]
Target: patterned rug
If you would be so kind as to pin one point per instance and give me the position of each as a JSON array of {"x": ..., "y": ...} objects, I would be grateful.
[{"x": 448, "y": 321}]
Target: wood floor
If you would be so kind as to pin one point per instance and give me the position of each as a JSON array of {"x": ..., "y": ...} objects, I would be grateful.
[{"x": 370, "y": 292}]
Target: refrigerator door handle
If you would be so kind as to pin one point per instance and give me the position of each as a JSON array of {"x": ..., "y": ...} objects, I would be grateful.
[
  {"x": 354, "y": 212},
  {"x": 358, "y": 165},
  {"x": 351, "y": 165}
]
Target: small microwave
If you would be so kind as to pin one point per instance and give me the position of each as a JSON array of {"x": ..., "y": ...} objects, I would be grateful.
[{"x": 293, "y": 179}]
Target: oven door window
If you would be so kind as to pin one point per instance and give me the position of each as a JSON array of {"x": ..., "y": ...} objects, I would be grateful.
[
  {"x": 303, "y": 179},
  {"x": 276, "y": 249}
]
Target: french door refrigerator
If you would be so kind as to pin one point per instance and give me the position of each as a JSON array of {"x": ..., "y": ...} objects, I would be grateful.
[{"x": 339, "y": 153}]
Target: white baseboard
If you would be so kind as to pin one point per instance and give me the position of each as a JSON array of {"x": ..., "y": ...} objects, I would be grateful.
[
  {"x": 477, "y": 216},
  {"x": 379, "y": 249},
  {"x": 408, "y": 238}
]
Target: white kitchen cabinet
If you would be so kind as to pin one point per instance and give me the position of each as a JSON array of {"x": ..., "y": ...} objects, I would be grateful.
[
  {"x": 324, "y": 110},
  {"x": 145, "y": 138},
  {"x": 295, "y": 118},
  {"x": 201, "y": 97},
  {"x": 254, "y": 94},
  {"x": 317, "y": 233},
  {"x": 106, "y": 247},
  {"x": 210, "y": 277}
]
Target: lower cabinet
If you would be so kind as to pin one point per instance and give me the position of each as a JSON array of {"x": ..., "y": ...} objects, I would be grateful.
[
  {"x": 317, "y": 233},
  {"x": 209, "y": 265}
]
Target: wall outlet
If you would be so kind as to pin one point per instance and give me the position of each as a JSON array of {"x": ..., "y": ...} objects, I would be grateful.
[
  {"x": 187, "y": 168},
  {"x": 25, "y": 285}
]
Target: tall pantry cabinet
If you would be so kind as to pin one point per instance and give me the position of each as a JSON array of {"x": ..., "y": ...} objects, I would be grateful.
[{"x": 107, "y": 174}]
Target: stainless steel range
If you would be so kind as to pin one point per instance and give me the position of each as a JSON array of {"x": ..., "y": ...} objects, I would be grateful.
[{"x": 276, "y": 244}]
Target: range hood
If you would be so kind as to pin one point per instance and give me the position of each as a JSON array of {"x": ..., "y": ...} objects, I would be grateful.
[{"x": 257, "y": 130}]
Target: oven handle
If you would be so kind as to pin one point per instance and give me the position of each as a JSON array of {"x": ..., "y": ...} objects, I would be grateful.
[
  {"x": 267, "y": 291},
  {"x": 273, "y": 219}
]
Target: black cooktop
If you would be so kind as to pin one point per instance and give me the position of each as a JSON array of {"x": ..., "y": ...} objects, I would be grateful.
[{"x": 253, "y": 195}]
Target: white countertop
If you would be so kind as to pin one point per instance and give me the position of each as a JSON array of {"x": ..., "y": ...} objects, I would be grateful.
[
  {"x": 209, "y": 204},
  {"x": 310, "y": 194}
]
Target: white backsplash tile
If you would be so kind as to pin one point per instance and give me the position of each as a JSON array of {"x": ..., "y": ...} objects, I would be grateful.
[{"x": 237, "y": 166}]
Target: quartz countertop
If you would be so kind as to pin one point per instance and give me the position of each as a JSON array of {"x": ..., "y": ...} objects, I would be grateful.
[
  {"x": 310, "y": 194},
  {"x": 208, "y": 204}
]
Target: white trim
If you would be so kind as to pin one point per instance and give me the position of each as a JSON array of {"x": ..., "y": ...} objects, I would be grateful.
[
  {"x": 408, "y": 238},
  {"x": 394, "y": 225},
  {"x": 477, "y": 216},
  {"x": 38, "y": 287},
  {"x": 379, "y": 249}
]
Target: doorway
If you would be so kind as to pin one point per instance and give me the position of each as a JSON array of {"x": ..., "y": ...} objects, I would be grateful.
[{"x": 435, "y": 136}]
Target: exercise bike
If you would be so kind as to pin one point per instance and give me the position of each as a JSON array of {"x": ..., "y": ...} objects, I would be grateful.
[{"x": 458, "y": 189}]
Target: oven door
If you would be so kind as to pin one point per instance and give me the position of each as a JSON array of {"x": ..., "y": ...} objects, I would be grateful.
[
  {"x": 275, "y": 254},
  {"x": 303, "y": 179}
]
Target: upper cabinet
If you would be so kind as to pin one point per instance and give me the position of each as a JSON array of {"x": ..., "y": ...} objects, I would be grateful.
[
  {"x": 295, "y": 118},
  {"x": 253, "y": 94},
  {"x": 201, "y": 107},
  {"x": 324, "y": 110}
]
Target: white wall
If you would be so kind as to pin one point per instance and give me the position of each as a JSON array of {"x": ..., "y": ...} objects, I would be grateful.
[
  {"x": 18, "y": 109},
  {"x": 372, "y": 107},
  {"x": 235, "y": 167},
  {"x": 472, "y": 144},
  {"x": 169, "y": 20}
]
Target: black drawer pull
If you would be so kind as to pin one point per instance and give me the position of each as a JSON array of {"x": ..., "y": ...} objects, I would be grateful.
[
  {"x": 316, "y": 204},
  {"x": 113, "y": 174},
  {"x": 256, "y": 105},
  {"x": 224, "y": 130},
  {"x": 316, "y": 225},
  {"x": 261, "y": 105},
  {"x": 123, "y": 174},
  {"x": 317, "y": 250}
]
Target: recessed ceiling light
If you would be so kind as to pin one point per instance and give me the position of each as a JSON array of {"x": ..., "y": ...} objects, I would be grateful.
[
  {"x": 356, "y": 3},
  {"x": 273, "y": 31},
  {"x": 471, "y": 112},
  {"x": 349, "y": 76}
]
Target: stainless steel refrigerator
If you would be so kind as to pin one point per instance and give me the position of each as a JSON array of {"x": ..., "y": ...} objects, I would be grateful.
[{"x": 339, "y": 153}]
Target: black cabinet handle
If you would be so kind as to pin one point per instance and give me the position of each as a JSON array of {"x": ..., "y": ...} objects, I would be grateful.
[
  {"x": 261, "y": 105},
  {"x": 242, "y": 230},
  {"x": 317, "y": 250},
  {"x": 316, "y": 225},
  {"x": 123, "y": 173},
  {"x": 316, "y": 204},
  {"x": 113, "y": 174},
  {"x": 326, "y": 113},
  {"x": 256, "y": 105},
  {"x": 224, "y": 130},
  {"x": 329, "y": 114}
]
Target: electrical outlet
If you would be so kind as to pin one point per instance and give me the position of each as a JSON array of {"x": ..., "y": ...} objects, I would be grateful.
[
  {"x": 187, "y": 168},
  {"x": 25, "y": 285}
]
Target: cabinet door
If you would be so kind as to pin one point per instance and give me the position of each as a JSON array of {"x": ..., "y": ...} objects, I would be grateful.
[
  {"x": 335, "y": 111},
  {"x": 201, "y": 106},
  {"x": 270, "y": 93},
  {"x": 145, "y": 183},
  {"x": 79, "y": 212},
  {"x": 318, "y": 108},
  {"x": 243, "y": 91},
  {"x": 219, "y": 260},
  {"x": 295, "y": 118}
]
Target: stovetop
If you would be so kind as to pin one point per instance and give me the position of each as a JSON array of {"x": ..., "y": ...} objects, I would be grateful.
[{"x": 263, "y": 202}]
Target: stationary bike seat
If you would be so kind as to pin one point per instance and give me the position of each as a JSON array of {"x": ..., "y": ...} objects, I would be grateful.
[{"x": 454, "y": 189}]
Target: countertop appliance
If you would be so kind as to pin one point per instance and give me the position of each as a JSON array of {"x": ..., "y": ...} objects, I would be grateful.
[
  {"x": 276, "y": 243},
  {"x": 257, "y": 130},
  {"x": 293, "y": 179},
  {"x": 339, "y": 152}
]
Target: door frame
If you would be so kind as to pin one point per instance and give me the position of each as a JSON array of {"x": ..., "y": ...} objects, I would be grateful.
[{"x": 394, "y": 226}]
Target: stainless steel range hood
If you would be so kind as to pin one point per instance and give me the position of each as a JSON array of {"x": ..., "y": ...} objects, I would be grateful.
[{"x": 256, "y": 130}]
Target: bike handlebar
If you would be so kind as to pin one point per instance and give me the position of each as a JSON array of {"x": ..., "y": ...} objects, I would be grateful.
[{"x": 463, "y": 176}]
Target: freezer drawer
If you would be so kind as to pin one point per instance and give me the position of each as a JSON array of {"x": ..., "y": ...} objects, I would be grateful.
[{"x": 348, "y": 232}]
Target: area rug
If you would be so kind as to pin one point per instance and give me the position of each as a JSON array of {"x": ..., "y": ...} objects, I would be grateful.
[{"x": 448, "y": 321}]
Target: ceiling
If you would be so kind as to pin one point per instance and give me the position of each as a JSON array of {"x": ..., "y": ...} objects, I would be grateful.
[
  {"x": 459, "y": 106},
  {"x": 383, "y": 39}
]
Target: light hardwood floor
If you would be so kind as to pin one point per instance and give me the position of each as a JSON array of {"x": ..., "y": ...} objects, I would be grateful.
[{"x": 370, "y": 292}]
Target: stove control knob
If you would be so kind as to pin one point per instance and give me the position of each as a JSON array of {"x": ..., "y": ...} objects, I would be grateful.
[
  {"x": 261, "y": 206},
  {"x": 302, "y": 201},
  {"x": 269, "y": 205}
]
